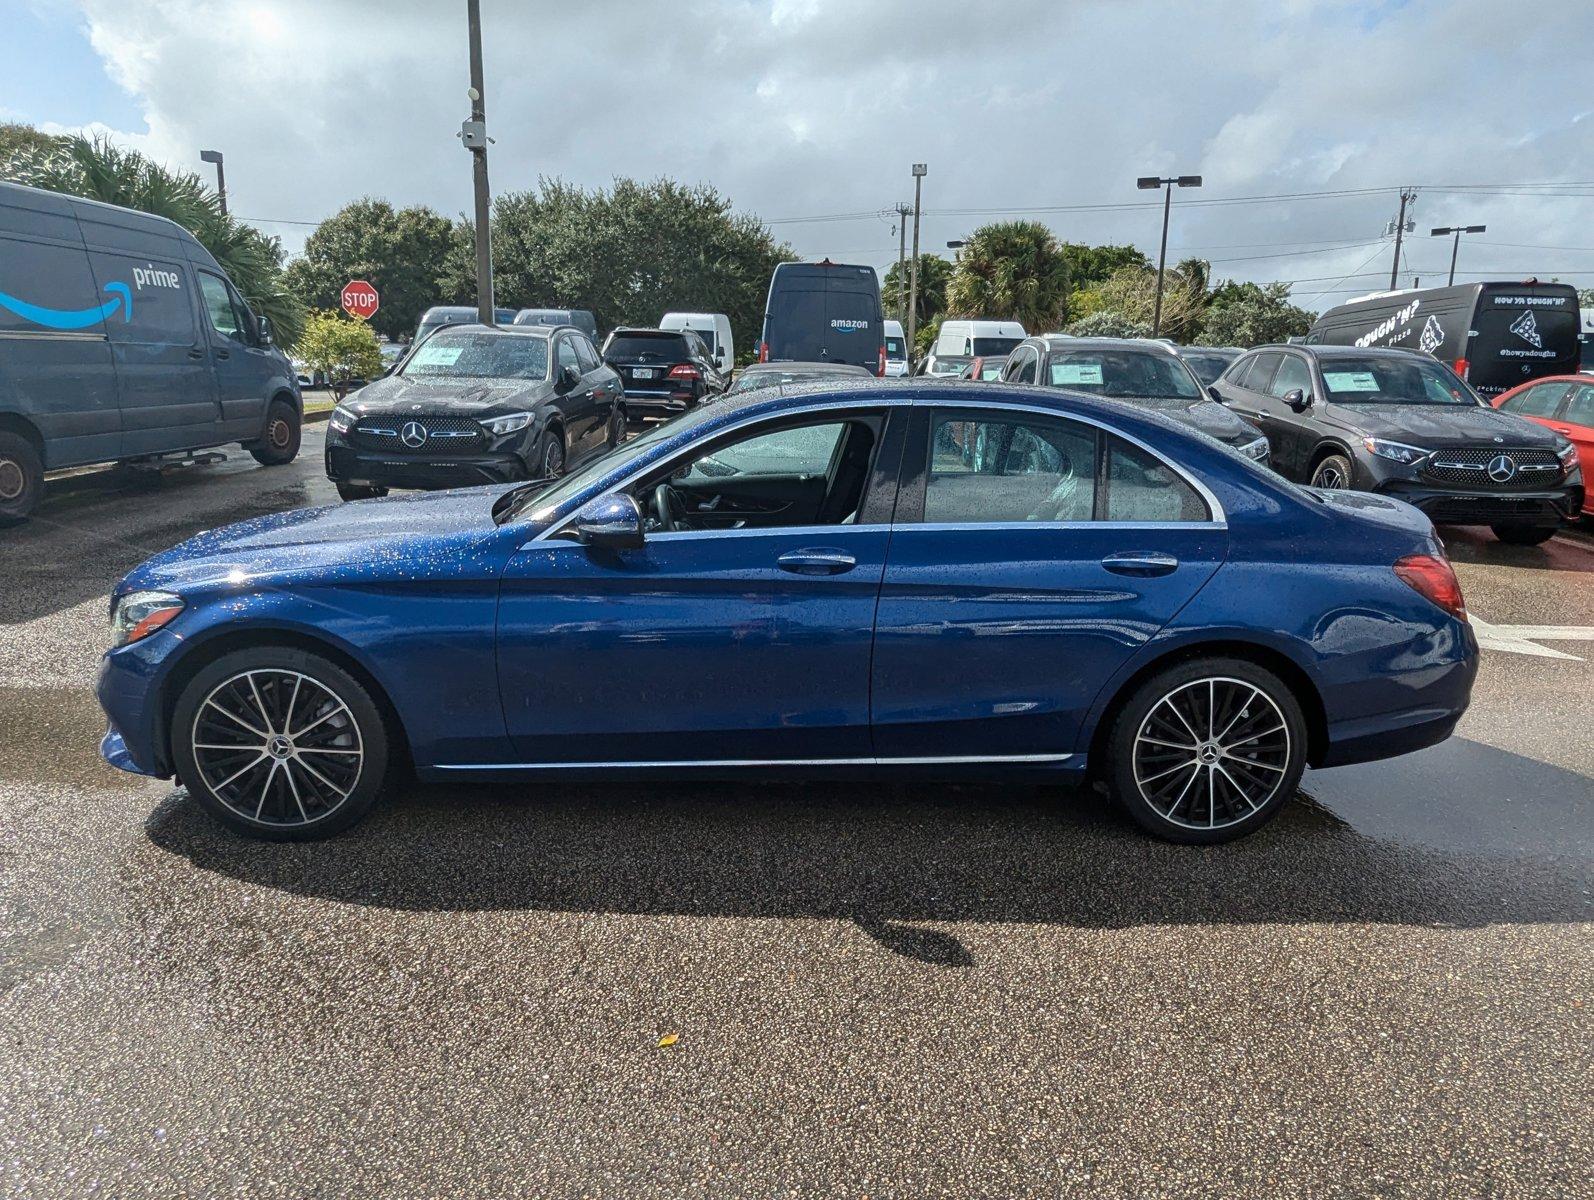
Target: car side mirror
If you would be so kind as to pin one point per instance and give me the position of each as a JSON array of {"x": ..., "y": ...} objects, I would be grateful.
[
  {"x": 612, "y": 522},
  {"x": 568, "y": 378},
  {"x": 264, "y": 331},
  {"x": 1212, "y": 390},
  {"x": 1297, "y": 399}
]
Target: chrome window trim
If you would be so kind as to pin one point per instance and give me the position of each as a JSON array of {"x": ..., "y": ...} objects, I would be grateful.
[
  {"x": 868, "y": 761},
  {"x": 951, "y": 526}
]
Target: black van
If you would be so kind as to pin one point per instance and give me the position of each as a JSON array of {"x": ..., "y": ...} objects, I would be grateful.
[
  {"x": 1495, "y": 335},
  {"x": 120, "y": 339},
  {"x": 824, "y": 312}
]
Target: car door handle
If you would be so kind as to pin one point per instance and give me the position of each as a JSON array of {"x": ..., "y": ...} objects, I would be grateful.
[
  {"x": 1141, "y": 564},
  {"x": 816, "y": 562},
  {"x": 224, "y": 354},
  {"x": 196, "y": 354},
  {"x": 1562, "y": 429}
]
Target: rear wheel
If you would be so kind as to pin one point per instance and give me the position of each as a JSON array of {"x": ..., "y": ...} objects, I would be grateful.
[
  {"x": 616, "y": 426},
  {"x": 279, "y": 744},
  {"x": 280, "y": 444},
  {"x": 21, "y": 478},
  {"x": 1524, "y": 535},
  {"x": 1207, "y": 751},
  {"x": 358, "y": 491},
  {"x": 1335, "y": 471}
]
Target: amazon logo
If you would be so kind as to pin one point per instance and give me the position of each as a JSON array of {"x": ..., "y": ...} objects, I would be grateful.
[{"x": 121, "y": 300}]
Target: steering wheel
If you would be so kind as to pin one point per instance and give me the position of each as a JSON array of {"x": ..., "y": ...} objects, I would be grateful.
[{"x": 667, "y": 507}]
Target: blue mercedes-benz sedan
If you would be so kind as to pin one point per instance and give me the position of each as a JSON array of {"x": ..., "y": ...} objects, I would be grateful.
[{"x": 949, "y": 579}]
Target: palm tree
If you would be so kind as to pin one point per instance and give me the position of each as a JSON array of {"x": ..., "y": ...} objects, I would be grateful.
[
  {"x": 1013, "y": 271},
  {"x": 97, "y": 169}
]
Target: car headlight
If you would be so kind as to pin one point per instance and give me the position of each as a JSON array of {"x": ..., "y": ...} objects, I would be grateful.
[
  {"x": 498, "y": 426},
  {"x": 1568, "y": 456},
  {"x": 341, "y": 420},
  {"x": 139, "y": 614},
  {"x": 1257, "y": 449},
  {"x": 1395, "y": 451}
]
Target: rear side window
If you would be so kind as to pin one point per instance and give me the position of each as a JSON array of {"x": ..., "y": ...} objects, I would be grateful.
[
  {"x": 669, "y": 347},
  {"x": 985, "y": 470},
  {"x": 1540, "y": 400},
  {"x": 1140, "y": 487},
  {"x": 1580, "y": 411}
]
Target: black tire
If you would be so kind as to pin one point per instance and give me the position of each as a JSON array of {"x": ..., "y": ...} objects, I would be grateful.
[
  {"x": 1524, "y": 535},
  {"x": 617, "y": 426},
  {"x": 551, "y": 454},
  {"x": 1335, "y": 471},
  {"x": 338, "y": 704},
  {"x": 21, "y": 478},
  {"x": 284, "y": 431},
  {"x": 1208, "y": 809},
  {"x": 357, "y": 491}
]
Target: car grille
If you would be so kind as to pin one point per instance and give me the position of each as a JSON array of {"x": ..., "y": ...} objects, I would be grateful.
[
  {"x": 1470, "y": 468},
  {"x": 444, "y": 435}
]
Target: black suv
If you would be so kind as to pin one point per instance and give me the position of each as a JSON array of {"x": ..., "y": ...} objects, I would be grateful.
[
  {"x": 1138, "y": 371},
  {"x": 665, "y": 371},
  {"x": 1401, "y": 423}
]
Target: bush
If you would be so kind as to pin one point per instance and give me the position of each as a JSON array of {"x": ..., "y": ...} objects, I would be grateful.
[
  {"x": 1109, "y": 323},
  {"x": 341, "y": 348}
]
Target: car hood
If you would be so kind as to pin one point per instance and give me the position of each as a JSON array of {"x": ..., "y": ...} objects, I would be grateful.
[
  {"x": 1207, "y": 416},
  {"x": 464, "y": 397},
  {"x": 407, "y": 536},
  {"x": 1433, "y": 425}
]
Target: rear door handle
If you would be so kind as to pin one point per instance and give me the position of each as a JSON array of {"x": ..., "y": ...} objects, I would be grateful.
[
  {"x": 1141, "y": 564},
  {"x": 816, "y": 562},
  {"x": 196, "y": 354}
]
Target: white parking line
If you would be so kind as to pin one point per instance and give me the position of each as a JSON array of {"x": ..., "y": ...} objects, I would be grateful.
[{"x": 1522, "y": 639}]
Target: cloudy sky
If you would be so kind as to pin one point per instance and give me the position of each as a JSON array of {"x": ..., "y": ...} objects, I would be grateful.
[{"x": 810, "y": 112}]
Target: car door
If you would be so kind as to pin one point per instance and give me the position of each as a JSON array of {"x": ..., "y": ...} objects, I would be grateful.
[
  {"x": 241, "y": 364},
  {"x": 575, "y": 400},
  {"x": 1576, "y": 422},
  {"x": 1031, "y": 555},
  {"x": 604, "y": 386},
  {"x": 705, "y": 646},
  {"x": 1539, "y": 402},
  {"x": 1292, "y": 436}
]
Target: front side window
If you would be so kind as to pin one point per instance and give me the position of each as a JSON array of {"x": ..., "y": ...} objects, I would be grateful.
[
  {"x": 1022, "y": 369},
  {"x": 219, "y": 307},
  {"x": 478, "y": 354},
  {"x": 1261, "y": 372},
  {"x": 804, "y": 450},
  {"x": 1541, "y": 400},
  {"x": 585, "y": 352},
  {"x": 1580, "y": 410},
  {"x": 565, "y": 355},
  {"x": 1293, "y": 374},
  {"x": 1014, "y": 469}
]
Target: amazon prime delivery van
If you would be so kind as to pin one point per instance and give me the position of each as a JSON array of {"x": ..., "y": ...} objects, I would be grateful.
[
  {"x": 121, "y": 339},
  {"x": 1495, "y": 335},
  {"x": 824, "y": 312}
]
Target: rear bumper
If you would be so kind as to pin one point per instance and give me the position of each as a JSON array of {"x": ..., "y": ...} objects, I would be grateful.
[
  {"x": 1457, "y": 506},
  {"x": 658, "y": 403}
]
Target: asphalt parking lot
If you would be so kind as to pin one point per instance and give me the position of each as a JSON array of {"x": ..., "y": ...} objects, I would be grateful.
[{"x": 877, "y": 991}]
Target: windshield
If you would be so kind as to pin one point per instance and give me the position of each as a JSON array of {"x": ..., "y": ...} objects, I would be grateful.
[
  {"x": 1130, "y": 374},
  {"x": 1377, "y": 380},
  {"x": 479, "y": 355},
  {"x": 671, "y": 346},
  {"x": 996, "y": 345}
]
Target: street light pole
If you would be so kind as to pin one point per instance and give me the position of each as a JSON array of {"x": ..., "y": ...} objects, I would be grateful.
[
  {"x": 214, "y": 156},
  {"x": 1146, "y": 183},
  {"x": 1455, "y": 246},
  {"x": 913, "y": 290},
  {"x": 474, "y": 135}
]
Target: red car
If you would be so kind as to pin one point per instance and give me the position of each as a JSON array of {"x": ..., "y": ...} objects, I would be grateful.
[{"x": 1564, "y": 403}]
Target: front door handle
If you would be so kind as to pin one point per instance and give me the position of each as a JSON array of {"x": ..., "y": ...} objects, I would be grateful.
[
  {"x": 1154, "y": 563},
  {"x": 223, "y": 354},
  {"x": 196, "y": 354},
  {"x": 816, "y": 562}
]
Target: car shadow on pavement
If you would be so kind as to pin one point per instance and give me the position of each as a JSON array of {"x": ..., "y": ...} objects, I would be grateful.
[
  {"x": 906, "y": 863},
  {"x": 1565, "y": 552}
]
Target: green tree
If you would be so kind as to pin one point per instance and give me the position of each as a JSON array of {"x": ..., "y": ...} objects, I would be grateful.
[
  {"x": 1131, "y": 292},
  {"x": 1250, "y": 314},
  {"x": 17, "y": 138},
  {"x": 1012, "y": 271},
  {"x": 630, "y": 253},
  {"x": 401, "y": 252},
  {"x": 1109, "y": 323},
  {"x": 99, "y": 170},
  {"x": 1089, "y": 266},
  {"x": 935, "y": 273},
  {"x": 340, "y": 348}
]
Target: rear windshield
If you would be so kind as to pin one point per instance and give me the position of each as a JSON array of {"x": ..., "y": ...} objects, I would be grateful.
[
  {"x": 894, "y": 348},
  {"x": 1129, "y": 374},
  {"x": 1377, "y": 380},
  {"x": 480, "y": 355},
  {"x": 995, "y": 345},
  {"x": 660, "y": 346}
]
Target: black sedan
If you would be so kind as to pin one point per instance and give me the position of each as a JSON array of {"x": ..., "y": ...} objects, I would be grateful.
[
  {"x": 1146, "y": 374},
  {"x": 1400, "y": 423},
  {"x": 665, "y": 371},
  {"x": 477, "y": 404}
]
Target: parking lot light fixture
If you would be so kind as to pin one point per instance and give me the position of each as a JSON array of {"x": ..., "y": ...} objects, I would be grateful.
[
  {"x": 1455, "y": 246},
  {"x": 919, "y": 172},
  {"x": 1146, "y": 183},
  {"x": 214, "y": 156}
]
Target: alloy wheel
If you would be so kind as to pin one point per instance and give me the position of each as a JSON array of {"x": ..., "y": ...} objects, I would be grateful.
[
  {"x": 277, "y": 747},
  {"x": 553, "y": 462},
  {"x": 1211, "y": 752},
  {"x": 1329, "y": 476}
]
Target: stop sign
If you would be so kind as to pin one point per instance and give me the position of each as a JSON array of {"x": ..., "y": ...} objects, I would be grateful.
[{"x": 360, "y": 299}]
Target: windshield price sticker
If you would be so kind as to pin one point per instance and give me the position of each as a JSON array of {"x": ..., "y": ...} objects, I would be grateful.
[
  {"x": 1066, "y": 373},
  {"x": 438, "y": 356},
  {"x": 1350, "y": 381}
]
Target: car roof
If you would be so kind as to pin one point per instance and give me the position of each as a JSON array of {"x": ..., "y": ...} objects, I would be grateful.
[
  {"x": 1063, "y": 341},
  {"x": 801, "y": 367},
  {"x": 631, "y": 329},
  {"x": 535, "y": 331},
  {"x": 1322, "y": 351}
]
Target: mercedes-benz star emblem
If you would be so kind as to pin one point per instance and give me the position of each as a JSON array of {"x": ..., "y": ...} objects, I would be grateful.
[
  {"x": 1502, "y": 467},
  {"x": 413, "y": 435}
]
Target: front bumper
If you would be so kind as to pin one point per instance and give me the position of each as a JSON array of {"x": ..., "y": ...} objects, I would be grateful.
[
  {"x": 1460, "y": 506},
  {"x": 346, "y": 463}
]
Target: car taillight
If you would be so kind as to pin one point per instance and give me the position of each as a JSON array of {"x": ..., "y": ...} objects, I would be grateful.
[
  {"x": 685, "y": 371},
  {"x": 763, "y": 351},
  {"x": 1461, "y": 367},
  {"x": 882, "y": 371},
  {"x": 1433, "y": 577}
]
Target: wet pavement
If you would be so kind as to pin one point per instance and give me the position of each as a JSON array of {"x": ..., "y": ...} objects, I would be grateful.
[{"x": 878, "y": 991}]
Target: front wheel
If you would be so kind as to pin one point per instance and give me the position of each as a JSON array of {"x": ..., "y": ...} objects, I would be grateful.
[
  {"x": 1524, "y": 535},
  {"x": 279, "y": 744},
  {"x": 280, "y": 445},
  {"x": 358, "y": 491},
  {"x": 1335, "y": 471},
  {"x": 551, "y": 454},
  {"x": 1207, "y": 751},
  {"x": 21, "y": 478}
]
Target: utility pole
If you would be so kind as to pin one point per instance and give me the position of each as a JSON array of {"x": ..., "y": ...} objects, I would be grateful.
[
  {"x": 474, "y": 135},
  {"x": 1146, "y": 183},
  {"x": 902, "y": 262},
  {"x": 913, "y": 290},
  {"x": 214, "y": 156},
  {"x": 1407, "y": 195},
  {"x": 1455, "y": 246}
]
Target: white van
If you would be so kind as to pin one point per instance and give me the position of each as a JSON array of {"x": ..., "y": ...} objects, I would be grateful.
[
  {"x": 896, "y": 349},
  {"x": 713, "y": 328},
  {"x": 985, "y": 338}
]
